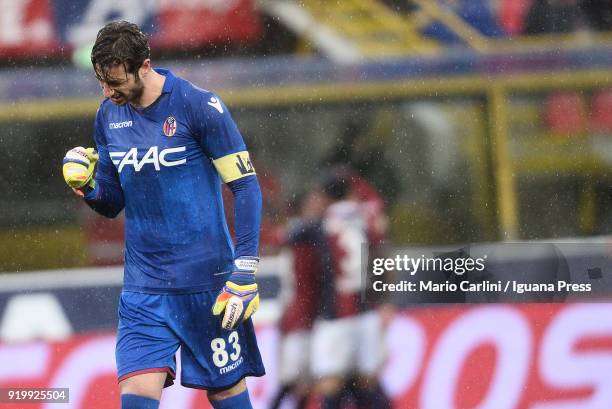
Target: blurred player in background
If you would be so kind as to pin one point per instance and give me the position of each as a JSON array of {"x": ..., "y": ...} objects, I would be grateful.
[
  {"x": 163, "y": 147},
  {"x": 304, "y": 236},
  {"x": 347, "y": 349}
]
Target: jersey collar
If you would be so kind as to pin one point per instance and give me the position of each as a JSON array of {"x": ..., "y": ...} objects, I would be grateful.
[{"x": 169, "y": 82}]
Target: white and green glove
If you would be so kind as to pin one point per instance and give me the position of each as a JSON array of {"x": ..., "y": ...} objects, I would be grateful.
[{"x": 79, "y": 169}]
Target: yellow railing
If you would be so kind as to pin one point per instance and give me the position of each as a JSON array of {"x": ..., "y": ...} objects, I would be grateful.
[
  {"x": 375, "y": 29},
  {"x": 350, "y": 91}
]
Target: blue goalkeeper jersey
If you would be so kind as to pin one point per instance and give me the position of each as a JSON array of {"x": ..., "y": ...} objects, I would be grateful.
[{"x": 164, "y": 164}]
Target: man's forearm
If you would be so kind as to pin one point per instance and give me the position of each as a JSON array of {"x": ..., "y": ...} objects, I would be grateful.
[
  {"x": 247, "y": 212},
  {"x": 106, "y": 199}
]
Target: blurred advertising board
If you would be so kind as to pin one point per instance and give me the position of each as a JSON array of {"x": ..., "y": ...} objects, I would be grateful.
[
  {"x": 536, "y": 356},
  {"x": 87, "y": 364},
  {"x": 532, "y": 356},
  {"x": 32, "y": 28}
]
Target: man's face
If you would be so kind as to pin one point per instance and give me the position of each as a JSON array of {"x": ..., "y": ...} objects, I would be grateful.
[{"x": 120, "y": 86}]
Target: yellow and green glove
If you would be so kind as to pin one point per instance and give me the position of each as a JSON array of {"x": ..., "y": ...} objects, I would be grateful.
[
  {"x": 79, "y": 169},
  {"x": 239, "y": 298}
]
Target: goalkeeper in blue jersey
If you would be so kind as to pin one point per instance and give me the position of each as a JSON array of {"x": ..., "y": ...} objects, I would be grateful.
[{"x": 163, "y": 146}]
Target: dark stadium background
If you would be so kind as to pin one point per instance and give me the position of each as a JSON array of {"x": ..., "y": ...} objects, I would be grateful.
[{"x": 477, "y": 121}]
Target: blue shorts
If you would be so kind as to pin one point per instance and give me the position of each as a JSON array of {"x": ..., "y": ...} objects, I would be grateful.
[{"x": 153, "y": 326}]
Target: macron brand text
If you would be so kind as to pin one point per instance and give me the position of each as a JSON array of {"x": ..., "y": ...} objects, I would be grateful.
[
  {"x": 119, "y": 125},
  {"x": 153, "y": 157}
]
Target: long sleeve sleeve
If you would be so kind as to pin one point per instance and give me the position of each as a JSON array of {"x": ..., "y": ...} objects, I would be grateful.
[
  {"x": 224, "y": 145},
  {"x": 247, "y": 212},
  {"x": 107, "y": 196}
]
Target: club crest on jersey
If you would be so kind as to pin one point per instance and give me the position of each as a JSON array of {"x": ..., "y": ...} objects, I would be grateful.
[{"x": 170, "y": 126}]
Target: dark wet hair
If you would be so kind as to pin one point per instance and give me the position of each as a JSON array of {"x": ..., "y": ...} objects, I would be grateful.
[
  {"x": 337, "y": 181},
  {"x": 119, "y": 43}
]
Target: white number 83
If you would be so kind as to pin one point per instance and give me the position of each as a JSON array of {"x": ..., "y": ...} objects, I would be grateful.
[{"x": 220, "y": 356}]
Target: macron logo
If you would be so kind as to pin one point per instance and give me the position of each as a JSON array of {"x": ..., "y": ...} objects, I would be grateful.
[
  {"x": 119, "y": 125},
  {"x": 215, "y": 103}
]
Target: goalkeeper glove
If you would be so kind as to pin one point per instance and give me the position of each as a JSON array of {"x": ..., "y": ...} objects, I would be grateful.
[
  {"x": 79, "y": 168},
  {"x": 239, "y": 298}
]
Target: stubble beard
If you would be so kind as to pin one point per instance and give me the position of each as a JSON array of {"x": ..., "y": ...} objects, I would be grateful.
[
  {"x": 133, "y": 96},
  {"x": 135, "y": 93}
]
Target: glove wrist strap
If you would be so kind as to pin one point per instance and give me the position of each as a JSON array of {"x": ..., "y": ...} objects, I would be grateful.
[
  {"x": 245, "y": 268},
  {"x": 246, "y": 264}
]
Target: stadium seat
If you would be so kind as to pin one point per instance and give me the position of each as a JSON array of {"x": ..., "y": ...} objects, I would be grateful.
[
  {"x": 601, "y": 112},
  {"x": 512, "y": 14},
  {"x": 565, "y": 114}
]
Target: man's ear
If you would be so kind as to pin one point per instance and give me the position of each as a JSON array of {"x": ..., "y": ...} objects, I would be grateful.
[{"x": 145, "y": 68}]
